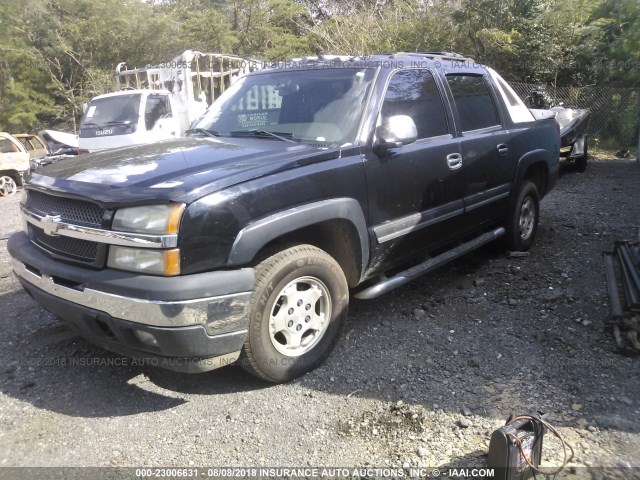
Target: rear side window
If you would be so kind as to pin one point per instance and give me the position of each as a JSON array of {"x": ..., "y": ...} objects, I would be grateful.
[
  {"x": 7, "y": 146},
  {"x": 474, "y": 102},
  {"x": 37, "y": 144},
  {"x": 415, "y": 93}
]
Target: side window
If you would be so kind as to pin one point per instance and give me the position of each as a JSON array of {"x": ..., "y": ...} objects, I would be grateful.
[
  {"x": 37, "y": 144},
  {"x": 157, "y": 107},
  {"x": 7, "y": 146},
  {"x": 24, "y": 142},
  {"x": 415, "y": 93},
  {"x": 473, "y": 101}
]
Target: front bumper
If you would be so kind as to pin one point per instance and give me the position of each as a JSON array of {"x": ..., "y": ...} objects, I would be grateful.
[{"x": 188, "y": 323}]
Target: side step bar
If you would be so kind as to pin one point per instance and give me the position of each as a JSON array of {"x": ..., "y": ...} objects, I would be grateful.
[{"x": 401, "y": 278}]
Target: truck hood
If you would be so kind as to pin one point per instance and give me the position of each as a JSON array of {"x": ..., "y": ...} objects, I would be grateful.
[{"x": 179, "y": 170}]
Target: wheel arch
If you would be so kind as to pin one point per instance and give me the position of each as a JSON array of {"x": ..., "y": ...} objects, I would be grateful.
[
  {"x": 336, "y": 226},
  {"x": 534, "y": 167},
  {"x": 13, "y": 174}
]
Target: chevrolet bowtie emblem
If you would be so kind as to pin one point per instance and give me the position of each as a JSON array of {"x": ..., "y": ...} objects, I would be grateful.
[{"x": 50, "y": 224}]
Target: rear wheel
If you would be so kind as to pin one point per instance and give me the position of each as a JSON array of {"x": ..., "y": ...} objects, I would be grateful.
[
  {"x": 522, "y": 222},
  {"x": 8, "y": 186},
  {"x": 300, "y": 301}
]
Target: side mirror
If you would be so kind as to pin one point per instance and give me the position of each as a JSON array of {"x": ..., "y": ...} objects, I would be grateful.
[
  {"x": 395, "y": 132},
  {"x": 84, "y": 107}
]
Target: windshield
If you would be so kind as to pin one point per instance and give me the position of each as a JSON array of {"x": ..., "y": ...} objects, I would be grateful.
[
  {"x": 116, "y": 110},
  {"x": 320, "y": 106}
]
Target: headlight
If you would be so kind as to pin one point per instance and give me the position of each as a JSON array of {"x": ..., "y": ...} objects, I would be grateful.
[
  {"x": 159, "y": 219},
  {"x": 144, "y": 260},
  {"x": 23, "y": 196}
]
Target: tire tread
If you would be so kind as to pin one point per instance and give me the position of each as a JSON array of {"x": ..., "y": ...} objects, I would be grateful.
[{"x": 262, "y": 276}]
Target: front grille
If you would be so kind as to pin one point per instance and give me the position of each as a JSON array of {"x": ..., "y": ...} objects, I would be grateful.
[
  {"x": 70, "y": 210},
  {"x": 73, "y": 248}
]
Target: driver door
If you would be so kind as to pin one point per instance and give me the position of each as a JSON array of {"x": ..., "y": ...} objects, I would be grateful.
[
  {"x": 159, "y": 119},
  {"x": 415, "y": 191}
]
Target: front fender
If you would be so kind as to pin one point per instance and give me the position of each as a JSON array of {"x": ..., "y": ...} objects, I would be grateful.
[{"x": 252, "y": 238}]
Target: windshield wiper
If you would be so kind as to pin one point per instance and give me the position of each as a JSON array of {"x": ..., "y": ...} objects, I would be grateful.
[
  {"x": 203, "y": 131},
  {"x": 117, "y": 122},
  {"x": 283, "y": 136},
  {"x": 89, "y": 124}
]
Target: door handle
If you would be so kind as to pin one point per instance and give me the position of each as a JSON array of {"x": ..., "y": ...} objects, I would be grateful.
[
  {"x": 503, "y": 149},
  {"x": 454, "y": 160}
]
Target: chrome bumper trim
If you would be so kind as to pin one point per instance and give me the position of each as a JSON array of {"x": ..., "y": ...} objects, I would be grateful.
[
  {"x": 216, "y": 314},
  {"x": 54, "y": 226}
]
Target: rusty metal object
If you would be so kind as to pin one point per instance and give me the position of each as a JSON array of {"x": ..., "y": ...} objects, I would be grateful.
[{"x": 622, "y": 269}]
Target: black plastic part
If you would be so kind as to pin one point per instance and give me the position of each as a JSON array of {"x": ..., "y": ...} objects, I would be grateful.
[
  {"x": 259, "y": 233},
  {"x": 178, "y": 348},
  {"x": 504, "y": 454},
  {"x": 147, "y": 287}
]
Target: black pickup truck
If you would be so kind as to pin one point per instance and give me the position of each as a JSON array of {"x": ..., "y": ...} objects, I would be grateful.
[{"x": 304, "y": 183}]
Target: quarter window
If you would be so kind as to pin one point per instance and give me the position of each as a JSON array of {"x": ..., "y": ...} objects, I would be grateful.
[
  {"x": 473, "y": 100},
  {"x": 415, "y": 93}
]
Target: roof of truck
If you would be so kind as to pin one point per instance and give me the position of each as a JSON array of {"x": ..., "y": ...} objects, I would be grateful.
[
  {"x": 132, "y": 91},
  {"x": 373, "y": 61}
]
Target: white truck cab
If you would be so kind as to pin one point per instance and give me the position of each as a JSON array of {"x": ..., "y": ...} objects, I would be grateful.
[
  {"x": 128, "y": 117},
  {"x": 158, "y": 102}
]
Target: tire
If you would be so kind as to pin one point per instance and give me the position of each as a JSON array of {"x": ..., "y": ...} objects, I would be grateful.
[
  {"x": 522, "y": 222},
  {"x": 8, "y": 186},
  {"x": 294, "y": 290},
  {"x": 581, "y": 162}
]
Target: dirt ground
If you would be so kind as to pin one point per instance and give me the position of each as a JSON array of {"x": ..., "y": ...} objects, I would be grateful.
[{"x": 421, "y": 377}]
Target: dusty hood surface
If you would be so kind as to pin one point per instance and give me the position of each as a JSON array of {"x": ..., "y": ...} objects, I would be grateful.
[{"x": 174, "y": 169}]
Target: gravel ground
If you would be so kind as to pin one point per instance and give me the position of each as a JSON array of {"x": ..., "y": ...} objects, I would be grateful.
[{"x": 421, "y": 378}]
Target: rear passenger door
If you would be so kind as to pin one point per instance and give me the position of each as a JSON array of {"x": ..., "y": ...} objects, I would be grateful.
[
  {"x": 415, "y": 191},
  {"x": 486, "y": 154}
]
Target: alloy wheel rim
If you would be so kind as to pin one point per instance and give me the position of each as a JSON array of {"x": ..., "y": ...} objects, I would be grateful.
[
  {"x": 7, "y": 186},
  {"x": 300, "y": 316},
  {"x": 527, "y": 218}
]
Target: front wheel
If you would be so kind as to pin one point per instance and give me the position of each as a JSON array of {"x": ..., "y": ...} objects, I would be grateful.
[
  {"x": 299, "y": 303},
  {"x": 8, "y": 186},
  {"x": 522, "y": 222}
]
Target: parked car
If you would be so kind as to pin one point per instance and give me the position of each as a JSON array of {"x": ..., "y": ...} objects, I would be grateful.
[
  {"x": 158, "y": 102},
  {"x": 303, "y": 184},
  {"x": 14, "y": 164},
  {"x": 34, "y": 145}
]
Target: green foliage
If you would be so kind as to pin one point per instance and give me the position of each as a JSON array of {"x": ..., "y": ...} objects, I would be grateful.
[
  {"x": 627, "y": 127},
  {"x": 56, "y": 54}
]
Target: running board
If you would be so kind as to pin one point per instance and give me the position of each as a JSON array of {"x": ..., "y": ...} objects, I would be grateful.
[{"x": 412, "y": 273}]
